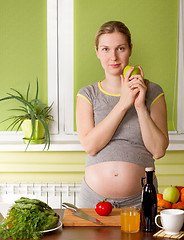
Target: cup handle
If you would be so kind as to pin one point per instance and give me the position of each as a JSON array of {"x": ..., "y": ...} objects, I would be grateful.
[{"x": 156, "y": 221}]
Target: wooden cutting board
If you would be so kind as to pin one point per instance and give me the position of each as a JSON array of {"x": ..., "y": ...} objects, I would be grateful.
[{"x": 112, "y": 219}]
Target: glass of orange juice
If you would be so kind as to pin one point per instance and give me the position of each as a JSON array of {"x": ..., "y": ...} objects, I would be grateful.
[{"x": 130, "y": 219}]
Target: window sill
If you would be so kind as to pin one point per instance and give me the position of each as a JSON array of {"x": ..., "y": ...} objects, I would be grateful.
[
  {"x": 176, "y": 142},
  {"x": 54, "y": 146},
  {"x": 65, "y": 146},
  {"x": 13, "y": 143}
]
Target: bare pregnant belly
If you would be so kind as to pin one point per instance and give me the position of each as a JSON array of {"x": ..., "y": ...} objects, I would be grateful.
[{"x": 115, "y": 179}]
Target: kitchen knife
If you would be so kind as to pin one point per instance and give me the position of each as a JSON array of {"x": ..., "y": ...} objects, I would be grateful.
[{"x": 79, "y": 213}]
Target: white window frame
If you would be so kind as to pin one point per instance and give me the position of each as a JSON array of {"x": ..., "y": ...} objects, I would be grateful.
[
  {"x": 60, "y": 66},
  {"x": 177, "y": 138},
  {"x": 65, "y": 29},
  {"x": 60, "y": 48},
  {"x": 60, "y": 83}
]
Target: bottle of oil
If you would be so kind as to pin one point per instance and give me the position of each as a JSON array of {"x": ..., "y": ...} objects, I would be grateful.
[{"x": 149, "y": 201}]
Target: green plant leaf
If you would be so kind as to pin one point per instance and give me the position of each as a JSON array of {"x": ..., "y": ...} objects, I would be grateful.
[
  {"x": 33, "y": 110},
  {"x": 33, "y": 129},
  {"x": 20, "y": 125},
  {"x": 17, "y": 109},
  {"x": 17, "y": 92},
  {"x": 37, "y": 102},
  {"x": 22, "y": 100},
  {"x": 36, "y": 97},
  {"x": 5, "y": 98},
  {"x": 47, "y": 134},
  {"x": 10, "y": 118},
  {"x": 27, "y": 95},
  {"x": 46, "y": 110},
  {"x": 15, "y": 122}
]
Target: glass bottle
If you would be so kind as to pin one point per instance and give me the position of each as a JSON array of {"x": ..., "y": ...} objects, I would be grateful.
[{"x": 149, "y": 201}]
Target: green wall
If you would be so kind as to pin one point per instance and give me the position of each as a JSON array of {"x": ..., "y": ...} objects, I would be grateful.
[
  {"x": 23, "y": 41},
  {"x": 153, "y": 25},
  {"x": 24, "y": 57},
  {"x": 23, "y": 49}
]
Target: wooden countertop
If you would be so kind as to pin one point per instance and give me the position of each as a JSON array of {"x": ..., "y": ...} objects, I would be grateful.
[{"x": 96, "y": 233}]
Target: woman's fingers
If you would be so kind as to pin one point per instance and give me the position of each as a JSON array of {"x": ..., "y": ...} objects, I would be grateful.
[
  {"x": 136, "y": 77},
  {"x": 128, "y": 74},
  {"x": 142, "y": 73},
  {"x": 136, "y": 82},
  {"x": 138, "y": 86}
]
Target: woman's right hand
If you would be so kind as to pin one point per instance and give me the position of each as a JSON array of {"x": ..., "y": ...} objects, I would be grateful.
[
  {"x": 95, "y": 137},
  {"x": 127, "y": 95}
]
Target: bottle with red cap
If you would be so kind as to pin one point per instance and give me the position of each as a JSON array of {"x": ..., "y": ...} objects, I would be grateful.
[{"x": 149, "y": 201}]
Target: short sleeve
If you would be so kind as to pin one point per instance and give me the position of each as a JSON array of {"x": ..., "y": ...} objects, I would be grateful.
[
  {"x": 88, "y": 93},
  {"x": 154, "y": 91}
]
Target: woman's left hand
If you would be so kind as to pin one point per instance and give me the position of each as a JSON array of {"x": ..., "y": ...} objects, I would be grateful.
[{"x": 137, "y": 81}]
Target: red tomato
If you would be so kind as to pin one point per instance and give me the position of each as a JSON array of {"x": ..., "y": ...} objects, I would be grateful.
[{"x": 103, "y": 208}]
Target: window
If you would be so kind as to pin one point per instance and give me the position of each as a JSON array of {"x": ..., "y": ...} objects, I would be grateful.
[
  {"x": 177, "y": 138},
  {"x": 65, "y": 62},
  {"x": 60, "y": 65},
  {"x": 60, "y": 42},
  {"x": 180, "y": 100},
  {"x": 60, "y": 83}
]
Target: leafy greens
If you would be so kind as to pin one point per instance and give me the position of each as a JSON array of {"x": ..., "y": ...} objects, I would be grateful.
[{"x": 27, "y": 218}]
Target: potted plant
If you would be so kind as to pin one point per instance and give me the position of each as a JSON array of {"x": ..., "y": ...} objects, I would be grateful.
[{"x": 33, "y": 117}]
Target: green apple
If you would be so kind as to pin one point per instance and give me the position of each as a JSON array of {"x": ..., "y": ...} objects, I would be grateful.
[
  {"x": 136, "y": 70},
  {"x": 171, "y": 194}
]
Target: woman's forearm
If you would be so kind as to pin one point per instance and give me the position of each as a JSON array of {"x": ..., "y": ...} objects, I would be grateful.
[
  {"x": 154, "y": 137},
  {"x": 99, "y": 136}
]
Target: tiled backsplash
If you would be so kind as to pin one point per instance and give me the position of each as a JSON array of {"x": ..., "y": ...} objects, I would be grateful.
[{"x": 52, "y": 193}]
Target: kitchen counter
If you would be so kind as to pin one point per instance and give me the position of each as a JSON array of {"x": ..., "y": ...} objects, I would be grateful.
[{"x": 96, "y": 233}]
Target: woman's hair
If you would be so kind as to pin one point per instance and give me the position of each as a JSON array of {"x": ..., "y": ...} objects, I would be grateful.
[{"x": 110, "y": 27}]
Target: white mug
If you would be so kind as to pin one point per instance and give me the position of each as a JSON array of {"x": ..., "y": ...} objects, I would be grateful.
[{"x": 172, "y": 220}]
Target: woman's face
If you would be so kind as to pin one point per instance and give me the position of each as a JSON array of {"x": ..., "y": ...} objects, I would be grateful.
[{"x": 113, "y": 52}]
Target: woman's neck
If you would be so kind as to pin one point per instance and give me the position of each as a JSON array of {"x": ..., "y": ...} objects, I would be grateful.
[{"x": 111, "y": 84}]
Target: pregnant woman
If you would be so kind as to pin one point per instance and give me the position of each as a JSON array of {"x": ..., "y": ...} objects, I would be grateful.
[{"x": 121, "y": 123}]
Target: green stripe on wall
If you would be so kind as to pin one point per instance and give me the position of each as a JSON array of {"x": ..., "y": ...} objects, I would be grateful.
[
  {"x": 48, "y": 167},
  {"x": 41, "y": 177},
  {"x": 170, "y": 170}
]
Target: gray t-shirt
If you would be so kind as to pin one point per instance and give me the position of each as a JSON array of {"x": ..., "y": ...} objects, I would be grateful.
[{"x": 126, "y": 144}]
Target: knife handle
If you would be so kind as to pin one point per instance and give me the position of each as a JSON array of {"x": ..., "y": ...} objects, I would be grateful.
[{"x": 70, "y": 206}]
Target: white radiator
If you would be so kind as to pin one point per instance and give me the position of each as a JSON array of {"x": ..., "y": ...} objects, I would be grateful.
[{"x": 51, "y": 193}]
